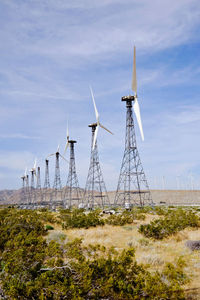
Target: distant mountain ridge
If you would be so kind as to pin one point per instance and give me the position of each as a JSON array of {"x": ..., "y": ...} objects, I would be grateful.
[
  {"x": 9, "y": 196},
  {"x": 168, "y": 197}
]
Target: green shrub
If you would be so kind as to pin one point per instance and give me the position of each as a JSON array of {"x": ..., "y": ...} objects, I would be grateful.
[
  {"x": 47, "y": 216},
  {"x": 49, "y": 227},
  {"x": 126, "y": 217},
  {"x": 33, "y": 269},
  {"x": 172, "y": 222},
  {"x": 79, "y": 219}
]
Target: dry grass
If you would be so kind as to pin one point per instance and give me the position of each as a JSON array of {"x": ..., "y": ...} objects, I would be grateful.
[{"x": 152, "y": 253}]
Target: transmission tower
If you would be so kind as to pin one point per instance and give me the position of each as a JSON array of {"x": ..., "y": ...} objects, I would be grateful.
[
  {"x": 132, "y": 189},
  {"x": 95, "y": 189},
  {"x": 73, "y": 195}
]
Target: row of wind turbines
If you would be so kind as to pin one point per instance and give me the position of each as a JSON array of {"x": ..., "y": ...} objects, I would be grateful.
[{"x": 132, "y": 188}]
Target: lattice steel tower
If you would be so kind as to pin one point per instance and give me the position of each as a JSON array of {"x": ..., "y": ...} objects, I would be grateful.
[
  {"x": 57, "y": 181},
  {"x": 32, "y": 190},
  {"x": 132, "y": 189},
  {"x": 46, "y": 189},
  {"x": 73, "y": 195},
  {"x": 23, "y": 189},
  {"x": 132, "y": 186},
  {"x": 95, "y": 189},
  {"x": 57, "y": 193},
  {"x": 46, "y": 178},
  {"x": 38, "y": 186},
  {"x": 27, "y": 191}
]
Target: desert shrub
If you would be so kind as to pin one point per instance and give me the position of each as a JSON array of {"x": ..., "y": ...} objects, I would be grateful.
[
  {"x": 172, "y": 222},
  {"x": 126, "y": 217},
  {"x": 145, "y": 209},
  {"x": 33, "y": 269},
  {"x": 57, "y": 236},
  {"x": 46, "y": 216},
  {"x": 79, "y": 219},
  {"x": 161, "y": 211},
  {"x": 18, "y": 223}
]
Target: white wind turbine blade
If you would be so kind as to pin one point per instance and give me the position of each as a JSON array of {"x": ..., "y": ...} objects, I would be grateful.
[
  {"x": 35, "y": 164},
  {"x": 67, "y": 131},
  {"x": 64, "y": 158},
  {"x": 138, "y": 117},
  {"x": 134, "y": 88},
  {"x": 134, "y": 78},
  {"x": 25, "y": 173},
  {"x": 58, "y": 149},
  {"x": 67, "y": 144},
  {"x": 95, "y": 108},
  {"x": 51, "y": 154},
  {"x": 95, "y": 137},
  {"x": 105, "y": 128}
]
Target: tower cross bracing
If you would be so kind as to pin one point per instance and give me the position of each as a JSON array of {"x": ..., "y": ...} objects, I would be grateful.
[
  {"x": 95, "y": 189},
  {"x": 73, "y": 195},
  {"x": 132, "y": 189}
]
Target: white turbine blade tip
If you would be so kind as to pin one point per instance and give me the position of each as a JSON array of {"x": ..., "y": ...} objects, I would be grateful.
[
  {"x": 51, "y": 155},
  {"x": 105, "y": 128},
  {"x": 95, "y": 108},
  {"x": 134, "y": 76}
]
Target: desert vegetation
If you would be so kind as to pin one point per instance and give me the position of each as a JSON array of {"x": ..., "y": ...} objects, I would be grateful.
[
  {"x": 172, "y": 222},
  {"x": 90, "y": 255}
]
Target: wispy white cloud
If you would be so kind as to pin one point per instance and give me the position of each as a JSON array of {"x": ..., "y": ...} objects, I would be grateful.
[
  {"x": 52, "y": 50},
  {"x": 91, "y": 29},
  {"x": 18, "y": 136},
  {"x": 16, "y": 160}
]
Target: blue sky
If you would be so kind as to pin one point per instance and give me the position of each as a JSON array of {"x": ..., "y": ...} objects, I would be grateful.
[{"x": 51, "y": 51}]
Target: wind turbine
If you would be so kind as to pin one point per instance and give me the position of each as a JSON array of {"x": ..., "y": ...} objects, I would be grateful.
[
  {"x": 57, "y": 181},
  {"x": 57, "y": 153},
  {"x": 72, "y": 194},
  {"x": 98, "y": 124},
  {"x": 33, "y": 173},
  {"x": 132, "y": 188},
  {"x": 23, "y": 177},
  {"x": 27, "y": 194},
  {"x": 95, "y": 189}
]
